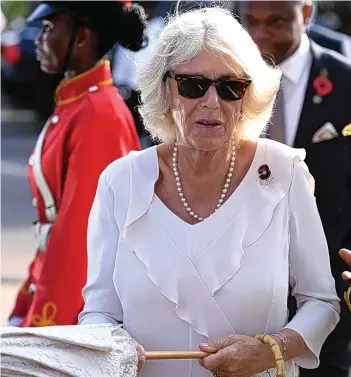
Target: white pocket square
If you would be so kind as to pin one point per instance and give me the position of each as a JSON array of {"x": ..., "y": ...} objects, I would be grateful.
[{"x": 326, "y": 132}]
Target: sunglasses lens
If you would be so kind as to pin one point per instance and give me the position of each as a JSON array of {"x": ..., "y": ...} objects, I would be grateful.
[
  {"x": 231, "y": 90},
  {"x": 193, "y": 87}
]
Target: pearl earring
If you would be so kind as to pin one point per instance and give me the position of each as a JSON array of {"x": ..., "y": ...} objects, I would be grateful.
[
  {"x": 241, "y": 118},
  {"x": 163, "y": 117}
]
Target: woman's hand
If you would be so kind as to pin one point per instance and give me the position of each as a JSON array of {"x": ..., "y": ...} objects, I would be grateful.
[
  {"x": 141, "y": 356},
  {"x": 346, "y": 256},
  {"x": 237, "y": 356}
]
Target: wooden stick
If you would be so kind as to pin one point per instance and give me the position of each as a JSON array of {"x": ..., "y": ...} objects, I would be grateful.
[
  {"x": 162, "y": 355},
  {"x": 279, "y": 360}
]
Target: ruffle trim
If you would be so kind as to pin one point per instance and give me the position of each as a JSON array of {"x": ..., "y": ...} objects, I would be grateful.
[{"x": 191, "y": 284}]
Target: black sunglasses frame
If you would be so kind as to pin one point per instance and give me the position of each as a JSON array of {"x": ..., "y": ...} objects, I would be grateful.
[{"x": 179, "y": 78}]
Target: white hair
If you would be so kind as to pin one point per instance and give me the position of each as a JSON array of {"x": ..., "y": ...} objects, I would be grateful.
[{"x": 185, "y": 35}]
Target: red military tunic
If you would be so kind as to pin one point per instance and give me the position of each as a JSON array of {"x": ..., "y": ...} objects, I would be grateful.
[{"x": 90, "y": 128}]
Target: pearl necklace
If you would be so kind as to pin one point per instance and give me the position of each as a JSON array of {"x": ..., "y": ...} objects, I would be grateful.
[{"x": 180, "y": 189}]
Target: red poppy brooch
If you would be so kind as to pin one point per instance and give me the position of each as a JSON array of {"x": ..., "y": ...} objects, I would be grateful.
[
  {"x": 322, "y": 85},
  {"x": 265, "y": 176}
]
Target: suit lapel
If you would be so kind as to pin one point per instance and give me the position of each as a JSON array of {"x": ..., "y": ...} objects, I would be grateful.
[{"x": 305, "y": 128}]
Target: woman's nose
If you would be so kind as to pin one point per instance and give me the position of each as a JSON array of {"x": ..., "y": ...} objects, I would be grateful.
[{"x": 210, "y": 98}]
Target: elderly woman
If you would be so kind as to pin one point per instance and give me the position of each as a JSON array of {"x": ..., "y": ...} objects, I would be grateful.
[{"x": 194, "y": 243}]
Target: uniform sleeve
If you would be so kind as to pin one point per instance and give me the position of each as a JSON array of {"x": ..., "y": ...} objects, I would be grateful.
[
  {"x": 102, "y": 303},
  {"x": 310, "y": 274},
  {"x": 23, "y": 299},
  {"x": 58, "y": 299}
]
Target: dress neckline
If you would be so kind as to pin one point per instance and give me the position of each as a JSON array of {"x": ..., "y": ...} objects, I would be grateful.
[{"x": 234, "y": 201}]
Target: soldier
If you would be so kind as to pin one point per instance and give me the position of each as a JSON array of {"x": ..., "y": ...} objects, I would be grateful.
[{"x": 91, "y": 127}]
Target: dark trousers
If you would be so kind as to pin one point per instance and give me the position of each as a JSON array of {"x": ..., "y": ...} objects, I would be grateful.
[{"x": 335, "y": 358}]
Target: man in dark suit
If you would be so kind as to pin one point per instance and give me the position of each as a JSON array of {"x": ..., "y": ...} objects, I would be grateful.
[
  {"x": 331, "y": 39},
  {"x": 316, "y": 116}
]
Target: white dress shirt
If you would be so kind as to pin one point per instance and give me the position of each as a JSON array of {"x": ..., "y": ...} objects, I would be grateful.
[
  {"x": 175, "y": 285},
  {"x": 296, "y": 70}
]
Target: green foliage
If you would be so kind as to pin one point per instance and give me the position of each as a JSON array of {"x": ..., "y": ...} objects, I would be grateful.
[{"x": 14, "y": 9}]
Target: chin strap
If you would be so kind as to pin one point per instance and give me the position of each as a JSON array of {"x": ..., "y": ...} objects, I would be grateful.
[{"x": 70, "y": 44}]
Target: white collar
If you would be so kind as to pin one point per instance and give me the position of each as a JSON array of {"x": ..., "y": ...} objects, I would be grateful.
[{"x": 294, "y": 66}]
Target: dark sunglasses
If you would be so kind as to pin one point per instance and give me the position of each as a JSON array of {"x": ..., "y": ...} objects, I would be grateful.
[{"x": 190, "y": 86}]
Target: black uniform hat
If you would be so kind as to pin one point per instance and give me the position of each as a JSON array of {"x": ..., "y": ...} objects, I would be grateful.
[
  {"x": 88, "y": 9},
  {"x": 114, "y": 21}
]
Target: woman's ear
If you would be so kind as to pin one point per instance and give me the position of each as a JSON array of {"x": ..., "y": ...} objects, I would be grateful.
[{"x": 84, "y": 37}]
